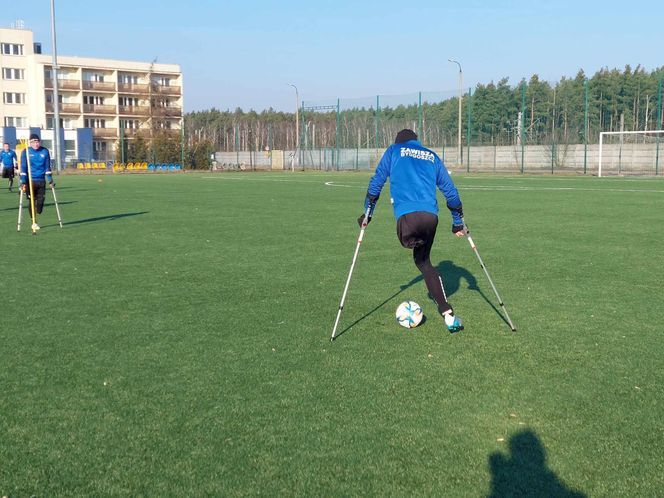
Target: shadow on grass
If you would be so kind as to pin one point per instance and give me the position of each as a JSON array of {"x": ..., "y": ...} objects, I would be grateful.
[
  {"x": 110, "y": 217},
  {"x": 46, "y": 204},
  {"x": 452, "y": 276},
  {"x": 523, "y": 472}
]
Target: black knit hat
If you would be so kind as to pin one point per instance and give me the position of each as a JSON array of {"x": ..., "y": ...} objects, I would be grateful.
[
  {"x": 34, "y": 136},
  {"x": 404, "y": 136}
]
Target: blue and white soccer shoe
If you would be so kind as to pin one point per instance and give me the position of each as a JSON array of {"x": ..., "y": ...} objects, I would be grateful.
[{"x": 453, "y": 323}]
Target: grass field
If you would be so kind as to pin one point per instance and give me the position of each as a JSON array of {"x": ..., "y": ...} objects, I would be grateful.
[{"x": 173, "y": 340}]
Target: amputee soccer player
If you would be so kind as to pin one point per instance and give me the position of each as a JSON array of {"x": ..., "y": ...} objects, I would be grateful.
[
  {"x": 40, "y": 171},
  {"x": 8, "y": 163},
  {"x": 414, "y": 173}
]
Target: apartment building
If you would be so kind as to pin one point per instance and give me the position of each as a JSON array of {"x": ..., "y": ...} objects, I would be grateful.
[{"x": 101, "y": 102}]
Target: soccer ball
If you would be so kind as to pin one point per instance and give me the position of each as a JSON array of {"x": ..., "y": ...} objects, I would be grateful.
[{"x": 409, "y": 314}]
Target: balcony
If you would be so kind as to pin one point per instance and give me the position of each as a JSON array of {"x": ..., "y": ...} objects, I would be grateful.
[
  {"x": 135, "y": 110},
  {"x": 64, "y": 108},
  {"x": 98, "y": 109},
  {"x": 63, "y": 83},
  {"x": 135, "y": 132},
  {"x": 105, "y": 132},
  {"x": 100, "y": 86},
  {"x": 168, "y": 132},
  {"x": 166, "y": 90},
  {"x": 133, "y": 88},
  {"x": 169, "y": 112}
]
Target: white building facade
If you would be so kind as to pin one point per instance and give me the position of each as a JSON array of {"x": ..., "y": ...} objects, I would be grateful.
[{"x": 102, "y": 102}]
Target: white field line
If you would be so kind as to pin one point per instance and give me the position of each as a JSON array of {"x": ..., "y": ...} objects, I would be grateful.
[
  {"x": 506, "y": 188},
  {"x": 608, "y": 179},
  {"x": 332, "y": 184},
  {"x": 573, "y": 189},
  {"x": 258, "y": 179}
]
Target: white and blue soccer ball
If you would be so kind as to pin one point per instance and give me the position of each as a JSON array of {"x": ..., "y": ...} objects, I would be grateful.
[{"x": 409, "y": 314}]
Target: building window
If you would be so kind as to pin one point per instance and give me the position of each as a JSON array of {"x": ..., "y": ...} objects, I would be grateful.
[
  {"x": 128, "y": 101},
  {"x": 70, "y": 149},
  {"x": 10, "y": 73},
  {"x": 93, "y": 99},
  {"x": 64, "y": 123},
  {"x": 95, "y": 123},
  {"x": 96, "y": 77},
  {"x": 162, "y": 103},
  {"x": 13, "y": 98},
  {"x": 162, "y": 80},
  {"x": 128, "y": 79},
  {"x": 17, "y": 122},
  {"x": 100, "y": 150},
  {"x": 129, "y": 124},
  {"x": 49, "y": 98},
  {"x": 11, "y": 49}
]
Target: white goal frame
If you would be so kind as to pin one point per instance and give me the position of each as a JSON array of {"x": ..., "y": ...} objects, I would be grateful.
[{"x": 639, "y": 132}]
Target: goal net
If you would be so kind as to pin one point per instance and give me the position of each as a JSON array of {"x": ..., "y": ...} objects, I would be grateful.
[{"x": 631, "y": 152}]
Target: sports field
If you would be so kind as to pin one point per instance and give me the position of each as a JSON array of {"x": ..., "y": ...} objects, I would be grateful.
[{"x": 173, "y": 340}]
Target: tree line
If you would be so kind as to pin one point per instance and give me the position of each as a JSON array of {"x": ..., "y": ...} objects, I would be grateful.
[{"x": 571, "y": 110}]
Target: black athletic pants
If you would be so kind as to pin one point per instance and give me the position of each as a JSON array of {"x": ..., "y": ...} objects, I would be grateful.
[
  {"x": 416, "y": 231},
  {"x": 9, "y": 174},
  {"x": 39, "y": 190}
]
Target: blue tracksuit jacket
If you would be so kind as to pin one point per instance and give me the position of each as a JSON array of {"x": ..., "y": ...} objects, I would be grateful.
[
  {"x": 414, "y": 172},
  {"x": 40, "y": 165},
  {"x": 7, "y": 158}
]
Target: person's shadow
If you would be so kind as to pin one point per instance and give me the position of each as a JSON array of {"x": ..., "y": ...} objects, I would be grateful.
[
  {"x": 452, "y": 276},
  {"x": 524, "y": 472}
]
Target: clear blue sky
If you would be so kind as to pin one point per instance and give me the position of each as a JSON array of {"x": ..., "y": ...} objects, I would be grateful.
[{"x": 245, "y": 53}]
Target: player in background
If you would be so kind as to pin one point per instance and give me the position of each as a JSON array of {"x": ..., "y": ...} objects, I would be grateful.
[{"x": 9, "y": 164}]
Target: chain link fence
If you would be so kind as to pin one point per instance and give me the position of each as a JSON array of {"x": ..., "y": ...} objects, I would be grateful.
[{"x": 534, "y": 126}]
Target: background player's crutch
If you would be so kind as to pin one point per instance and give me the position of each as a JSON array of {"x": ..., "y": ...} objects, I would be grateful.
[
  {"x": 20, "y": 210},
  {"x": 474, "y": 247},
  {"x": 57, "y": 209},
  {"x": 365, "y": 222}
]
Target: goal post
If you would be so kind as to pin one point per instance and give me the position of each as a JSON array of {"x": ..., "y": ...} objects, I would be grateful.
[{"x": 629, "y": 152}]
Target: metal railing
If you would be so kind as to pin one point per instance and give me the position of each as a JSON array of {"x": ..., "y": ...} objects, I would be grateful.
[
  {"x": 133, "y": 88},
  {"x": 64, "y": 83},
  {"x": 167, "y": 111},
  {"x": 103, "y": 86},
  {"x": 134, "y": 110},
  {"x": 65, "y": 108},
  {"x": 167, "y": 89},
  {"x": 98, "y": 109},
  {"x": 105, "y": 132}
]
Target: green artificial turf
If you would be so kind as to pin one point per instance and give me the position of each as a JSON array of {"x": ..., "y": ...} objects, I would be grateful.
[{"x": 173, "y": 340}]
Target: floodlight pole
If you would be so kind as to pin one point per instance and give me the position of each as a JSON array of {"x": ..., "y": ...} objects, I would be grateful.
[
  {"x": 297, "y": 126},
  {"x": 459, "y": 149},
  {"x": 56, "y": 97}
]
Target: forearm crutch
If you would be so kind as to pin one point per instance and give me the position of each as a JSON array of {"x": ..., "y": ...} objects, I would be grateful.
[
  {"x": 486, "y": 272},
  {"x": 365, "y": 222},
  {"x": 57, "y": 209},
  {"x": 20, "y": 210}
]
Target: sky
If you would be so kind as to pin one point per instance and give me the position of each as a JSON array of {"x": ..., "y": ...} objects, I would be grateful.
[{"x": 247, "y": 53}]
